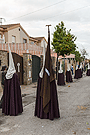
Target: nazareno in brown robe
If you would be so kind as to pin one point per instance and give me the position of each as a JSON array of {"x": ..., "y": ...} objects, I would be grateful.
[
  {"x": 68, "y": 76},
  {"x": 12, "y": 99},
  {"x": 46, "y": 99},
  {"x": 88, "y": 72}
]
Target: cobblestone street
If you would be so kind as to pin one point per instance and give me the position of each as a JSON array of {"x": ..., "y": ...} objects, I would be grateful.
[{"x": 74, "y": 103}]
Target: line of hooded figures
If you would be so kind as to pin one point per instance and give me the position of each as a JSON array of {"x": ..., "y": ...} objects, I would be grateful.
[
  {"x": 46, "y": 106},
  {"x": 69, "y": 72}
]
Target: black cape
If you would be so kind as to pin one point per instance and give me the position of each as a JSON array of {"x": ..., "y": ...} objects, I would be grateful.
[
  {"x": 68, "y": 76},
  {"x": 61, "y": 80},
  {"x": 76, "y": 74},
  {"x": 46, "y": 99},
  {"x": 88, "y": 72},
  {"x": 53, "y": 104},
  {"x": 12, "y": 100}
]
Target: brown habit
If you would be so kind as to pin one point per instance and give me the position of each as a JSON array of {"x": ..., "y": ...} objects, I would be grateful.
[{"x": 48, "y": 77}]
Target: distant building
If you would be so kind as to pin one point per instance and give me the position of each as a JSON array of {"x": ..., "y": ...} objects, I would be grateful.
[
  {"x": 14, "y": 33},
  {"x": 20, "y": 41},
  {"x": 41, "y": 41},
  {"x": 32, "y": 40}
]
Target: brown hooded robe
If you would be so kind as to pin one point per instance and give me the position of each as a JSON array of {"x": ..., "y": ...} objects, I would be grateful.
[{"x": 46, "y": 99}]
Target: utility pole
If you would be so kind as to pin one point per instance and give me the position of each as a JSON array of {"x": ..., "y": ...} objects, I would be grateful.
[
  {"x": 48, "y": 35},
  {"x": 49, "y": 25},
  {"x": 48, "y": 30}
]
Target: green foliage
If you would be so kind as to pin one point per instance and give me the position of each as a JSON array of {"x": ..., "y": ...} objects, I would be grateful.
[
  {"x": 63, "y": 41},
  {"x": 77, "y": 55}
]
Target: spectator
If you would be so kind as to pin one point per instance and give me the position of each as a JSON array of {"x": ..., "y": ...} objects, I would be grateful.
[{"x": 72, "y": 69}]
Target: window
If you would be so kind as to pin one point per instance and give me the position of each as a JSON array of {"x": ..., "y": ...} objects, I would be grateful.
[
  {"x": 13, "y": 39},
  {"x": 24, "y": 40}
]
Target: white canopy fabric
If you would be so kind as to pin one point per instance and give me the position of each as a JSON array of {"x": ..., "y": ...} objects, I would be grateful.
[
  {"x": 60, "y": 71},
  {"x": 88, "y": 66},
  {"x": 11, "y": 70},
  {"x": 41, "y": 72},
  {"x": 68, "y": 67}
]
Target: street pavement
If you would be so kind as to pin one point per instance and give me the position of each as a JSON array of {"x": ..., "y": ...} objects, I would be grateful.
[{"x": 74, "y": 104}]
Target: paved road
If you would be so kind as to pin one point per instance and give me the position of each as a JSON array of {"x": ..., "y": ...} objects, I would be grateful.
[{"x": 74, "y": 103}]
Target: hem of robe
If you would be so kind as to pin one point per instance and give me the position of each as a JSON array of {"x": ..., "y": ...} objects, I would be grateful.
[
  {"x": 68, "y": 76},
  {"x": 88, "y": 72},
  {"x": 12, "y": 99},
  {"x": 78, "y": 74},
  {"x": 53, "y": 104},
  {"x": 60, "y": 80}
]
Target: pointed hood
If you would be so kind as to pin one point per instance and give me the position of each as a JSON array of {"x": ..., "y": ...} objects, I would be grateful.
[
  {"x": 80, "y": 65},
  {"x": 60, "y": 71},
  {"x": 11, "y": 70},
  {"x": 88, "y": 66},
  {"x": 76, "y": 66},
  {"x": 68, "y": 67},
  {"x": 48, "y": 77},
  {"x": 41, "y": 72}
]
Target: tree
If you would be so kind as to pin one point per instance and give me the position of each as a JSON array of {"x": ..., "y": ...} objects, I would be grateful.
[
  {"x": 63, "y": 41},
  {"x": 77, "y": 55},
  {"x": 83, "y": 53}
]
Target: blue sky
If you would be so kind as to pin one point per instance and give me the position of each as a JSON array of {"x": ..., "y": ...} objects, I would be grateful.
[{"x": 33, "y": 15}]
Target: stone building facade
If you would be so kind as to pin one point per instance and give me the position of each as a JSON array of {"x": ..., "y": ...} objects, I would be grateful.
[
  {"x": 27, "y": 67},
  {"x": 3, "y": 58}
]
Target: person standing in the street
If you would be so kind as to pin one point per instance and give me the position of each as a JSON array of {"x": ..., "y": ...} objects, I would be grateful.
[
  {"x": 2, "y": 78},
  {"x": 12, "y": 99},
  {"x": 72, "y": 68},
  {"x": 82, "y": 68},
  {"x": 46, "y": 106}
]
